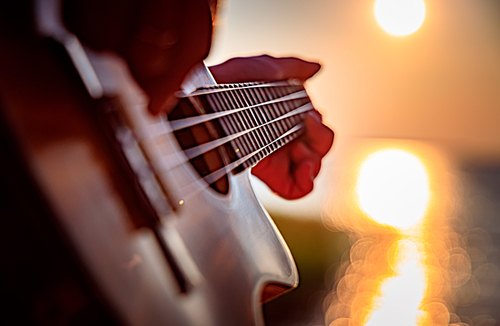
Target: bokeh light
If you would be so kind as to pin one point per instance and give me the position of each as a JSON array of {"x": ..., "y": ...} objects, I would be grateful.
[
  {"x": 408, "y": 284},
  {"x": 393, "y": 188},
  {"x": 400, "y": 17},
  {"x": 420, "y": 274}
]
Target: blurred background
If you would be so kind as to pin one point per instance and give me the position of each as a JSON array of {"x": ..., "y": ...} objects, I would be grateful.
[{"x": 402, "y": 227}]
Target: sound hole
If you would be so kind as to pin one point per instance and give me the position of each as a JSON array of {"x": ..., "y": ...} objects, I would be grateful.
[{"x": 190, "y": 137}]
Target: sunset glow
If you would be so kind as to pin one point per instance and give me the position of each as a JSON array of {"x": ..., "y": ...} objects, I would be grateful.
[
  {"x": 393, "y": 188},
  {"x": 418, "y": 271},
  {"x": 400, "y": 17},
  {"x": 401, "y": 296}
]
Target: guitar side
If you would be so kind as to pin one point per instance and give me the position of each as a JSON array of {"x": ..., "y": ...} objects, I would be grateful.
[{"x": 226, "y": 246}]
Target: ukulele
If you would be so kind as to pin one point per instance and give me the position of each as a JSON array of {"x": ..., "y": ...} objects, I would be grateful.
[{"x": 131, "y": 218}]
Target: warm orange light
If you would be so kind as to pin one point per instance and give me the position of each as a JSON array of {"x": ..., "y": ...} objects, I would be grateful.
[
  {"x": 400, "y": 296},
  {"x": 413, "y": 273},
  {"x": 393, "y": 188},
  {"x": 400, "y": 17}
]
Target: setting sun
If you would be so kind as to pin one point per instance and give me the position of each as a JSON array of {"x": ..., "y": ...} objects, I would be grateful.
[
  {"x": 400, "y": 17},
  {"x": 393, "y": 188}
]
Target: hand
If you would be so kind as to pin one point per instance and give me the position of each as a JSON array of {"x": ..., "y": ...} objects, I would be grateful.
[{"x": 290, "y": 171}]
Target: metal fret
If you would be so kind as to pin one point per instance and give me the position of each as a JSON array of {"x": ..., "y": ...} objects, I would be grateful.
[
  {"x": 275, "y": 112},
  {"x": 247, "y": 119},
  {"x": 247, "y": 158},
  {"x": 286, "y": 123},
  {"x": 256, "y": 120},
  {"x": 287, "y": 107},
  {"x": 266, "y": 132},
  {"x": 265, "y": 111},
  {"x": 241, "y": 143},
  {"x": 205, "y": 147},
  {"x": 227, "y": 122},
  {"x": 240, "y": 121},
  {"x": 253, "y": 116}
]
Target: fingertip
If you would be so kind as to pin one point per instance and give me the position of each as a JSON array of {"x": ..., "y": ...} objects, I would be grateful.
[
  {"x": 313, "y": 62},
  {"x": 319, "y": 137},
  {"x": 314, "y": 67},
  {"x": 318, "y": 65}
]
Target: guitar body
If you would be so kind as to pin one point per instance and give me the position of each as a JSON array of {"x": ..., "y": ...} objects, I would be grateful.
[{"x": 135, "y": 236}]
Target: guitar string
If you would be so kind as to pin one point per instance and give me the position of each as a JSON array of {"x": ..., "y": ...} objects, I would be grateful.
[
  {"x": 216, "y": 175},
  {"x": 247, "y": 143},
  {"x": 242, "y": 122},
  {"x": 188, "y": 191},
  {"x": 277, "y": 103},
  {"x": 218, "y": 88},
  {"x": 259, "y": 116},
  {"x": 206, "y": 147},
  {"x": 229, "y": 122},
  {"x": 235, "y": 99},
  {"x": 263, "y": 115},
  {"x": 276, "y": 111},
  {"x": 191, "y": 121},
  {"x": 251, "y": 117},
  {"x": 260, "y": 97}
]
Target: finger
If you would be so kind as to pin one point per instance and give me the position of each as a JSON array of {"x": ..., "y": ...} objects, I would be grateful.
[
  {"x": 303, "y": 180},
  {"x": 264, "y": 68},
  {"x": 266, "y": 170},
  {"x": 292, "y": 67},
  {"x": 318, "y": 136},
  {"x": 300, "y": 153}
]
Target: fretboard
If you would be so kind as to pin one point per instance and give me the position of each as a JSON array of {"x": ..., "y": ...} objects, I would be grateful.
[
  {"x": 255, "y": 120},
  {"x": 268, "y": 122}
]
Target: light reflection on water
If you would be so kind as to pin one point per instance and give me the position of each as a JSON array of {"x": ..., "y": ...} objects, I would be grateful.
[
  {"x": 409, "y": 278},
  {"x": 413, "y": 275}
]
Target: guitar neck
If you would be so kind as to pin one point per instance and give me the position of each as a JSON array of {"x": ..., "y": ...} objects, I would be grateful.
[{"x": 254, "y": 119}]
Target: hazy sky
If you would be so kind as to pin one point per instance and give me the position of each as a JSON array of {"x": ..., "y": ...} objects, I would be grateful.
[{"x": 440, "y": 84}]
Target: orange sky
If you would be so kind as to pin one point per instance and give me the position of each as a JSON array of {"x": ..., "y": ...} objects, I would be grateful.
[{"x": 440, "y": 85}]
